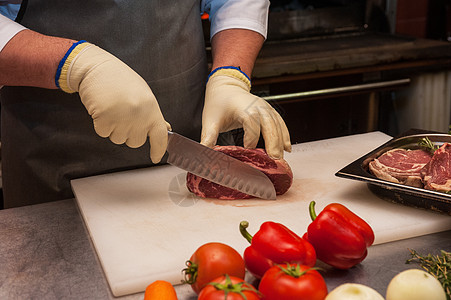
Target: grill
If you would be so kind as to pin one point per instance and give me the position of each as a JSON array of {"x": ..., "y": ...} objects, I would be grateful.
[{"x": 338, "y": 67}]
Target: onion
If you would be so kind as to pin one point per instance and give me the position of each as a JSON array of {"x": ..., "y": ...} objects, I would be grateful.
[
  {"x": 415, "y": 284},
  {"x": 354, "y": 291}
]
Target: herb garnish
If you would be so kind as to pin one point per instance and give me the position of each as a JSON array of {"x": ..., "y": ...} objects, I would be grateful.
[
  {"x": 438, "y": 266},
  {"x": 428, "y": 144}
]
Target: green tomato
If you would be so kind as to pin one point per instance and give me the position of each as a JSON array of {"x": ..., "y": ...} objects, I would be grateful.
[
  {"x": 414, "y": 284},
  {"x": 354, "y": 291}
]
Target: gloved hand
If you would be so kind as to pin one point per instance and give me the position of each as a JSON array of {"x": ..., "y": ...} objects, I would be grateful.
[
  {"x": 119, "y": 101},
  {"x": 230, "y": 105}
]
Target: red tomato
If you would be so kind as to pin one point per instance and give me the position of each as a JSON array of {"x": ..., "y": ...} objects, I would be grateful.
[
  {"x": 292, "y": 281},
  {"x": 228, "y": 288},
  {"x": 210, "y": 261}
]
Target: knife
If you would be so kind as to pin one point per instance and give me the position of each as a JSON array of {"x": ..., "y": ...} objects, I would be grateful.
[{"x": 218, "y": 167}]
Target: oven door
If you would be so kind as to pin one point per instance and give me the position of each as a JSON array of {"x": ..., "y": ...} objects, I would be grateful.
[{"x": 321, "y": 108}]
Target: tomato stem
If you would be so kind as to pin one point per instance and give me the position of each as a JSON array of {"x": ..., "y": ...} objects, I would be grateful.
[
  {"x": 190, "y": 271},
  {"x": 295, "y": 270},
  {"x": 244, "y": 232},
  {"x": 312, "y": 210},
  {"x": 229, "y": 287}
]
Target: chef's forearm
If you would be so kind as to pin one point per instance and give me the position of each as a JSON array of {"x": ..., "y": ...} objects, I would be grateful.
[
  {"x": 236, "y": 47},
  {"x": 31, "y": 59}
]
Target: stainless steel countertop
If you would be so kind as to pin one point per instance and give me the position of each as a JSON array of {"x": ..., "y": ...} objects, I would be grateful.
[{"x": 46, "y": 253}]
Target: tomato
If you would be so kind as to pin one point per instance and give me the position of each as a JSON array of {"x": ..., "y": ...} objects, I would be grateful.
[
  {"x": 210, "y": 261},
  {"x": 292, "y": 281},
  {"x": 160, "y": 289},
  {"x": 228, "y": 288}
]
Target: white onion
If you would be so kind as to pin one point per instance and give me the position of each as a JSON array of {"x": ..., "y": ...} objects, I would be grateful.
[
  {"x": 415, "y": 284},
  {"x": 353, "y": 291}
]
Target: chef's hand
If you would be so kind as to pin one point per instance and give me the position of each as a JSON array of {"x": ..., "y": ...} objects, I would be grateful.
[
  {"x": 120, "y": 102},
  {"x": 230, "y": 105}
]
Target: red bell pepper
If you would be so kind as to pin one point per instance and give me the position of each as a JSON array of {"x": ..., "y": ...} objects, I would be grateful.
[
  {"x": 339, "y": 236},
  {"x": 273, "y": 244}
]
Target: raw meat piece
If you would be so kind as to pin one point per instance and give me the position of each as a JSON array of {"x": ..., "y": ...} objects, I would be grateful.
[
  {"x": 401, "y": 166},
  {"x": 437, "y": 173},
  {"x": 278, "y": 171}
]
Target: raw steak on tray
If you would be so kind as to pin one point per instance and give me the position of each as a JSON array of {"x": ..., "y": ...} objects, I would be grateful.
[
  {"x": 401, "y": 166},
  {"x": 416, "y": 168},
  {"x": 437, "y": 173}
]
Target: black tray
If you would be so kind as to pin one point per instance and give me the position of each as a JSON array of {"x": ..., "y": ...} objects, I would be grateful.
[{"x": 399, "y": 193}]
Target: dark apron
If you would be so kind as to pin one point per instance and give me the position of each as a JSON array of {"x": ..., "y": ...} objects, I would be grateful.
[{"x": 47, "y": 135}]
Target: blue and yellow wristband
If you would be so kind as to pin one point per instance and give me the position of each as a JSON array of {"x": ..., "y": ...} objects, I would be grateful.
[
  {"x": 61, "y": 77},
  {"x": 232, "y": 72}
]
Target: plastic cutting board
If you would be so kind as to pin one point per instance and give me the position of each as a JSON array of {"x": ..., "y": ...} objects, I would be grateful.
[{"x": 144, "y": 223}]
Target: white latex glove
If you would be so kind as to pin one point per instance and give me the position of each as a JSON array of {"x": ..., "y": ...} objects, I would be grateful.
[
  {"x": 120, "y": 102},
  {"x": 230, "y": 105}
]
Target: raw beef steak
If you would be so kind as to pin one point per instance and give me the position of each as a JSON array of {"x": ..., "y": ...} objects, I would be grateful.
[
  {"x": 437, "y": 173},
  {"x": 401, "y": 166},
  {"x": 278, "y": 171}
]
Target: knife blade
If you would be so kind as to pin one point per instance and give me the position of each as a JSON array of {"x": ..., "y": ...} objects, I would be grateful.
[{"x": 218, "y": 167}]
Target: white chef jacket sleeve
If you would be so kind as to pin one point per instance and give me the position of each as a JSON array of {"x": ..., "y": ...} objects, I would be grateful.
[
  {"x": 8, "y": 29},
  {"x": 244, "y": 14}
]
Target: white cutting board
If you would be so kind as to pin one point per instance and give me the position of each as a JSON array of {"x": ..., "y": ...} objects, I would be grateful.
[{"x": 145, "y": 224}]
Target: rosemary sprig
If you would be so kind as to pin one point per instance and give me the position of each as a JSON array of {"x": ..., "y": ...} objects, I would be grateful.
[
  {"x": 438, "y": 266},
  {"x": 428, "y": 144}
]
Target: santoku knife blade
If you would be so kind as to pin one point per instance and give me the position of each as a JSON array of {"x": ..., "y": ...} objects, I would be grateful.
[{"x": 218, "y": 167}]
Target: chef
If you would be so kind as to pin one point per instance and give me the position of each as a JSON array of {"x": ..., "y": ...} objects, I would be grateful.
[{"x": 88, "y": 83}]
